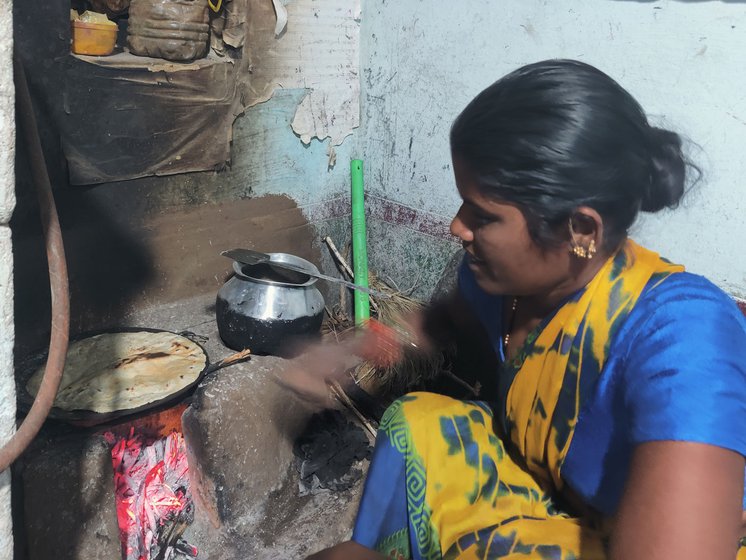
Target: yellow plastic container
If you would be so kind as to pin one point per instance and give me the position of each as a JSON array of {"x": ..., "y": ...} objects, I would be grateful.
[{"x": 97, "y": 39}]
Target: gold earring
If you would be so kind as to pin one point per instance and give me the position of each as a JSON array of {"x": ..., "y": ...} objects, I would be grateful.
[
  {"x": 591, "y": 250},
  {"x": 575, "y": 249},
  {"x": 578, "y": 251}
]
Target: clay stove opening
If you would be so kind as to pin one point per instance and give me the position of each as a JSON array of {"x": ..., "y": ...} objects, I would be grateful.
[{"x": 153, "y": 498}]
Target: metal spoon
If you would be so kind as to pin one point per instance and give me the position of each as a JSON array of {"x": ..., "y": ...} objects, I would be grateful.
[{"x": 252, "y": 258}]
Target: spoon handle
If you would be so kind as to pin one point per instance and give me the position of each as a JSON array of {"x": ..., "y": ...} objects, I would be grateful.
[
  {"x": 250, "y": 257},
  {"x": 331, "y": 279}
]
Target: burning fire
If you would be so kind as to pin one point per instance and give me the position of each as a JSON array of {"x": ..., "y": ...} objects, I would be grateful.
[{"x": 154, "y": 505}]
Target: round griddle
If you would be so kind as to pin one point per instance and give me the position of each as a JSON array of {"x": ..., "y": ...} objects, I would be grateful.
[{"x": 83, "y": 417}]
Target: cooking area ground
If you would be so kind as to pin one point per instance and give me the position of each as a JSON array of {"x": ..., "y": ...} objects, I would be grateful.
[{"x": 238, "y": 430}]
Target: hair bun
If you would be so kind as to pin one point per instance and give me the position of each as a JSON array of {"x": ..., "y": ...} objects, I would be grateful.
[{"x": 667, "y": 171}]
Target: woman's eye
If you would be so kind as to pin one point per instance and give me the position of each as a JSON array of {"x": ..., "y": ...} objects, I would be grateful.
[{"x": 484, "y": 219}]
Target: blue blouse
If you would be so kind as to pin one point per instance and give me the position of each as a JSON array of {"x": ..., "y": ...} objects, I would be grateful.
[{"x": 676, "y": 370}]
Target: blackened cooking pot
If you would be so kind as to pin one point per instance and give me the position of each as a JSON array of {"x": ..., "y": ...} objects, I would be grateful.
[{"x": 269, "y": 310}]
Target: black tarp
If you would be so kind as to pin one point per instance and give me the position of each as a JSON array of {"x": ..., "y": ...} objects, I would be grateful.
[
  {"x": 122, "y": 117},
  {"x": 126, "y": 117}
]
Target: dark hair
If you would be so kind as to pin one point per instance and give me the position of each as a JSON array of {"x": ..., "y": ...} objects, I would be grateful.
[{"x": 559, "y": 134}]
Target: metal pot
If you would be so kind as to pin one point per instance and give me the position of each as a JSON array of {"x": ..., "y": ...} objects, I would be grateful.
[{"x": 268, "y": 310}]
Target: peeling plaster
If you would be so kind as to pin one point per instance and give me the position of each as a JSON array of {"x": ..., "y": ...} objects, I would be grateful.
[
  {"x": 317, "y": 50},
  {"x": 7, "y": 384},
  {"x": 282, "y": 17},
  {"x": 7, "y": 111}
]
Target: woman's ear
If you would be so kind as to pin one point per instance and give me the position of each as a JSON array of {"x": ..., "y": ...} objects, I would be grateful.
[{"x": 586, "y": 231}]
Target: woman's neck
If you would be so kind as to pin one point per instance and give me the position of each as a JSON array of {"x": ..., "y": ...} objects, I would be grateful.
[{"x": 539, "y": 306}]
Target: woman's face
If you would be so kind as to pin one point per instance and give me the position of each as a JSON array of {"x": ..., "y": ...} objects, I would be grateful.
[{"x": 500, "y": 251}]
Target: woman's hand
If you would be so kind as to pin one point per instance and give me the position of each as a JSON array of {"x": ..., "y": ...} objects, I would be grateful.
[
  {"x": 319, "y": 365},
  {"x": 315, "y": 367},
  {"x": 683, "y": 500},
  {"x": 421, "y": 332}
]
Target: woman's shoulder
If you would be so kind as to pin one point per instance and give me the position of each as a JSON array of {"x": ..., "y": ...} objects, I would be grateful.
[
  {"x": 685, "y": 297},
  {"x": 685, "y": 286},
  {"x": 684, "y": 373},
  {"x": 684, "y": 314}
]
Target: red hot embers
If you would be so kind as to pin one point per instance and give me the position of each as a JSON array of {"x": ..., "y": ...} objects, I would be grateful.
[{"x": 154, "y": 504}]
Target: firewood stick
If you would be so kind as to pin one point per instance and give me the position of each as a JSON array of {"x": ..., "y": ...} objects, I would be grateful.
[
  {"x": 232, "y": 359},
  {"x": 461, "y": 382},
  {"x": 340, "y": 259},
  {"x": 346, "y": 267},
  {"x": 342, "y": 397}
]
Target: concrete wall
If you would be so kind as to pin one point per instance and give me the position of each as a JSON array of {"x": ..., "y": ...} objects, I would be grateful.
[
  {"x": 683, "y": 60},
  {"x": 7, "y": 202}
]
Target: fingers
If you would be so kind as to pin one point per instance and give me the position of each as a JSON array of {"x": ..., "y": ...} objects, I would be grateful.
[
  {"x": 313, "y": 390},
  {"x": 309, "y": 374}
]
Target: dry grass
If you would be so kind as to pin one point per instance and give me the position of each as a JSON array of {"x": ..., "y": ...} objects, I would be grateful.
[
  {"x": 416, "y": 369},
  {"x": 409, "y": 373}
]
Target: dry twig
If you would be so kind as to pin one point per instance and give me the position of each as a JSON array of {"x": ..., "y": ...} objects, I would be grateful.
[
  {"x": 342, "y": 397},
  {"x": 415, "y": 368},
  {"x": 346, "y": 267}
]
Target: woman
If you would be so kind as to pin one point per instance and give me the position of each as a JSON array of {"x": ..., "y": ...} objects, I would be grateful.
[{"x": 619, "y": 429}]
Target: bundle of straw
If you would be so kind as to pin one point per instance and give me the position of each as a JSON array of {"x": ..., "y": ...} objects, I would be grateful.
[{"x": 410, "y": 373}]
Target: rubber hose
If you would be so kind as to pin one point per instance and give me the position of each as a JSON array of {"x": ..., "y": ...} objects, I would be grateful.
[{"x": 60, "y": 331}]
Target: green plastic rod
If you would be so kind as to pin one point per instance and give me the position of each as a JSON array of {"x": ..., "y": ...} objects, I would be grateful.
[{"x": 359, "y": 243}]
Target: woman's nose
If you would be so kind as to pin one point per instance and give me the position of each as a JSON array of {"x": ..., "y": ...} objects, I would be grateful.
[{"x": 459, "y": 228}]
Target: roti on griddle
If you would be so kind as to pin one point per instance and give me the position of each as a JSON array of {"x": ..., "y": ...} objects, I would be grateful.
[{"x": 124, "y": 370}]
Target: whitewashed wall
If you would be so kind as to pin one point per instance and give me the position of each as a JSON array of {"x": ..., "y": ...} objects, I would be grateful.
[
  {"x": 685, "y": 61},
  {"x": 7, "y": 202}
]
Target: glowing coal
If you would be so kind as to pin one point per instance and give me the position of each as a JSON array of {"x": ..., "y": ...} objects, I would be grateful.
[{"x": 154, "y": 504}]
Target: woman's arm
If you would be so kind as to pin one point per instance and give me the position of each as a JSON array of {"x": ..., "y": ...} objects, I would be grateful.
[
  {"x": 429, "y": 330},
  {"x": 682, "y": 501}
]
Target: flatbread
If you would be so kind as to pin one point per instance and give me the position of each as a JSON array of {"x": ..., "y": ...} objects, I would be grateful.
[{"x": 126, "y": 370}]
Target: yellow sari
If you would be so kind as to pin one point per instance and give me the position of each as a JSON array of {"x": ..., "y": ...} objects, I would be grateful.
[{"x": 474, "y": 494}]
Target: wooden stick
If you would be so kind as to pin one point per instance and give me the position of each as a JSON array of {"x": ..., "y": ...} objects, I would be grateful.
[
  {"x": 342, "y": 397},
  {"x": 371, "y": 371},
  {"x": 461, "y": 382},
  {"x": 232, "y": 359},
  {"x": 346, "y": 267},
  {"x": 340, "y": 259}
]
